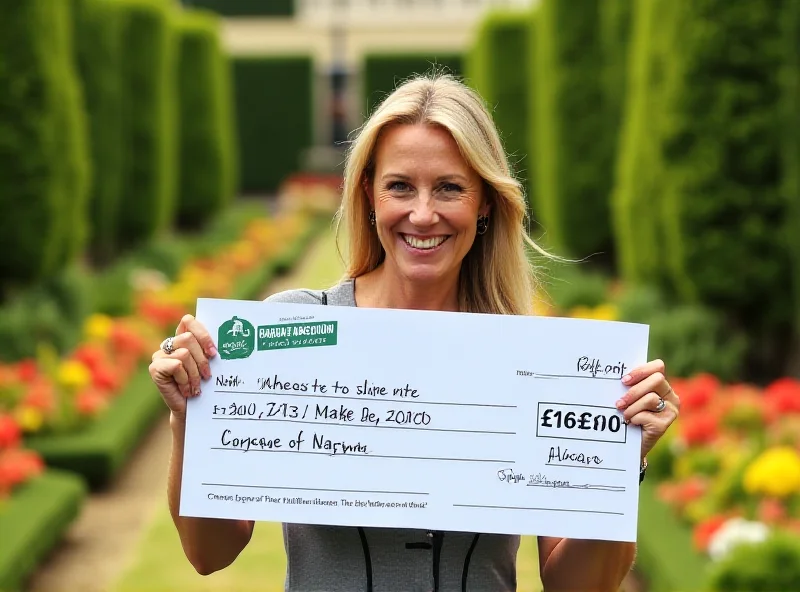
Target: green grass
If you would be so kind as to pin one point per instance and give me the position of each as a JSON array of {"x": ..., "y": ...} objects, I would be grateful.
[{"x": 159, "y": 564}]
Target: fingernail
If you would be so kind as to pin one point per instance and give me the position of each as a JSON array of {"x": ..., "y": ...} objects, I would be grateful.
[
  {"x": 212, "y": 351},
  {"x": 626, "y": 379},
  {"x": 197, "y": 391},
  {"x": 620, "y": 404}
]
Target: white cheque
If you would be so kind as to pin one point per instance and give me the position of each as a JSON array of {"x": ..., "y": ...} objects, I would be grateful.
[{"x": 396, "y": 418}]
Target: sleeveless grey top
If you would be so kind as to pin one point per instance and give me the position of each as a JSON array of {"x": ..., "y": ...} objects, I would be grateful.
[{"x": 349, "y": 559}]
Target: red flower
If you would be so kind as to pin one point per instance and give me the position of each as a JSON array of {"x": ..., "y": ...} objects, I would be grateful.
[
  {"x": 17, "y": 466},
  {"x": 784, "y": 394},
  {"x": 700, "y": 428},
  {"x": 701, "y": 536},
  {"x": 40, "y": 395},
  {"x": 690, "y": 490},
  {"x": 697, "y": 392},
  {"x": 106, "y": 379},
  {"x": 771, "y": 511},
  {"x": 90, "y": 355},
  {"x": 90, "y": 402},
  {"x": 10, "y": 434},
  {"x": 27, "y": 370}
]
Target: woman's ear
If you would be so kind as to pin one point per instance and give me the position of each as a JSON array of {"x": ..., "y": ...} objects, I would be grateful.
[
  {"x": 367, "y": 186},
  {"x": 488, "y": 199}
]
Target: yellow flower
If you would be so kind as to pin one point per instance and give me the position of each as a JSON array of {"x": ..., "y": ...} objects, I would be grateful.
[
  {"x": 98, "y": 326},
  {"x": 30, "y": 419},
  {"x": 73, "y": 374},
  {"x": 605, "y": 312},
  {"x": 776, "y": 472},
  {"x": 581, "y": 312}
]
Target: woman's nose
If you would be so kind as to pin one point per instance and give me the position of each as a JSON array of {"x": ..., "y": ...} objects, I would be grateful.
[{"x": 423, "y": 212}]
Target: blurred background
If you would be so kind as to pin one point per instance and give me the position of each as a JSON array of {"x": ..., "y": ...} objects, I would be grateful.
[{"x": 155, "y": 151}]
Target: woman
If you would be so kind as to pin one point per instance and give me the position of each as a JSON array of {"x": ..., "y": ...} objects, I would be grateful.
[{"x": 436, "y": 222}]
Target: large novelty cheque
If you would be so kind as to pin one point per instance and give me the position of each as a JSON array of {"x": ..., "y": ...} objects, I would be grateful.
[{"x": 397, "y": 418}]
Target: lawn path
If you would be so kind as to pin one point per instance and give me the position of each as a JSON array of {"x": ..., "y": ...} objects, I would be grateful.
[{"x": 158, "y": 564}]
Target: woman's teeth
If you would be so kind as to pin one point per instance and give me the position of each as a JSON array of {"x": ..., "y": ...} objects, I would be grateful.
[{"x": 424, "y": 243}]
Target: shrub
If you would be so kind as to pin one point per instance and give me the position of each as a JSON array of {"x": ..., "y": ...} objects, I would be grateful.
[
  {"x": 50, "y": 312},
  {"x": 771, "y": 566},
  {"x": 97, "y": 26},
  {"x": 723, "y": 205},
  {"x": 205, "y": 150},
  {"x": 148, "y": 191},
  {"x": 573, "y": 140},
  {"x": 43, "y": 162},
  {"x": 692, "y": 339},
  {"x": 499, "y": 53},
  {"x": 274, "y": 114},
  {"x": 383, "y": 72}
]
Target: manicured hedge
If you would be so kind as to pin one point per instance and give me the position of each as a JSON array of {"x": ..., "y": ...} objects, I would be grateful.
[
  {"x": 493, "y": 67},
  {"x": 274, "y": 115},
  {"x": 637, "y": 198},
  {"x": 205, "y": 129},
  {"x": 384, "y": 72},
  {"x": 34, "y": 521},
  {"x": 724, "y": 208},
  {"x": 246, "y": 7},
  {"x": 791, "y": 83},
  {"x": 97, "y": 26},
  {"x": 43, "y": 152},
  {"x": 574, "y": 139},
  {"x": 148, "y": 70}
]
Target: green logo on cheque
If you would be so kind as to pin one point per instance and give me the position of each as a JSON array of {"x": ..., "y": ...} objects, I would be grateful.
[
  {"x": 293, "y": 335},
  {"x": 236, "y": 339}
]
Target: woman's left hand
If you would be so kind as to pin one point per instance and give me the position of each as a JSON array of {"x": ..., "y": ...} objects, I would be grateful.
[{"x": 642, "y": 406}]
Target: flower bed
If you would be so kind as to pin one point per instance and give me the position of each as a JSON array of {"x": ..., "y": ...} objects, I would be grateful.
[
  {"x": 729, "y": 472},
  {"x": 36, "y": 505},
  {"x": 86, "y": 413}
]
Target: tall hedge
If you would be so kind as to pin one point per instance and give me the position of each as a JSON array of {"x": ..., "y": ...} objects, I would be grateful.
[
  {"x": 383, "y": 72},
  {"x": 43, "y": 161},
  {"x": 724, "y": 168},
  {"x": 206, "y": 153},
  {"x": 574, "y": 141},
  {"x": 493, "y": 67},
  {"x": 274, "y": 115},
  {"x": 615, "y": 36},
  {"x": 245, "y": 7},
  {"x": 637, "y": 198},
  {"x": 97, "y": 28},
  {"x": 791, "y": 114},
  {"x": 148, "y": 191}
]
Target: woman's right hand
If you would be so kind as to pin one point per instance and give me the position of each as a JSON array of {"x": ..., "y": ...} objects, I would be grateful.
[{"x": 178, "y": 375}]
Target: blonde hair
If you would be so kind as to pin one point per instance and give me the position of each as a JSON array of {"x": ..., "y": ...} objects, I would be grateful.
[{"x": 496, "y": 274}]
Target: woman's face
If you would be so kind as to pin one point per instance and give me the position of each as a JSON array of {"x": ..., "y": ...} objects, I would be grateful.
[{"x": 426, "y": 200}]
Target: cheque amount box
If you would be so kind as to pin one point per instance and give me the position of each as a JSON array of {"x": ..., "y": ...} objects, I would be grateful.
[{"x": 569, "y": 421}]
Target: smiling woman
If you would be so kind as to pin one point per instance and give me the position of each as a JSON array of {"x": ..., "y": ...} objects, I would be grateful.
[{"x": 435, "y": 220}]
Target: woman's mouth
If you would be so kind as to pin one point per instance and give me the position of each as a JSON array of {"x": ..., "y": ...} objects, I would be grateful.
[{"x": 424, "y": 243}]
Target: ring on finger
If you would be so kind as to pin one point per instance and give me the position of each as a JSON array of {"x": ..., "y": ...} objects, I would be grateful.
[
  {"x": 168, "y": 345},
  {"x": 661, "y": 405}
]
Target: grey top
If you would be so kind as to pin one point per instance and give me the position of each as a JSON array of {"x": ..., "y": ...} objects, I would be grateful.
[{"x": 350, "y": 559}]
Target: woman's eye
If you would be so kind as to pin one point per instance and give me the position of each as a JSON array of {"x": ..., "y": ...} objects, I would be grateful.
[
  {"x": 398, "y": 186},
  {"x": 451, "y": 188}
]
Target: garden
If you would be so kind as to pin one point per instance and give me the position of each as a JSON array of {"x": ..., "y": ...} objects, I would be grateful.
[{"x": 658, "y": 142}]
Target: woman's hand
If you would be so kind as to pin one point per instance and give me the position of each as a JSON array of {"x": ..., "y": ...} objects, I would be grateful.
[
  {"x": 178, "y": 374},
  {"x": 642, "y": 404}
]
